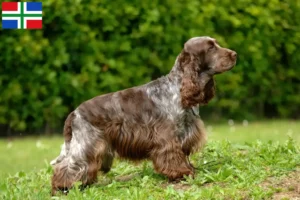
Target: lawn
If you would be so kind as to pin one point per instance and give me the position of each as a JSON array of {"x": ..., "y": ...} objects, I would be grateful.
[{"x": 242, "y": 160}]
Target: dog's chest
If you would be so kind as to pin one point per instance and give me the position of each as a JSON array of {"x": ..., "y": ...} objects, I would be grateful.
[
  {"x": 167, "y": 100},
  {"x": 186, "y": 120}
]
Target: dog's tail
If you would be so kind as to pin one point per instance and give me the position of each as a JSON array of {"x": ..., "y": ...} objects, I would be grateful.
[{"x": 68, "y": 137}]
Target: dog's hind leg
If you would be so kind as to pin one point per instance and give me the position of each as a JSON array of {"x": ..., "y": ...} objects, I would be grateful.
[
  {"x": 68, "y": 137},
  {"x": 107, "y": 161},
  {"x": 98, "y": 157},
  {"x": 61, "y": 156},
  {"x": 86, "y": 151}
]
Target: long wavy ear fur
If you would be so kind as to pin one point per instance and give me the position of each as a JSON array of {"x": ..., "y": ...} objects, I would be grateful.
[
  {"x": 195, "y": 89},
  {"x": 209, "y": 91}
]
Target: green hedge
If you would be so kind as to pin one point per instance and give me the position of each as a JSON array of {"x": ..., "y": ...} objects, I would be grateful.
[{"x": 91, "y": 47}]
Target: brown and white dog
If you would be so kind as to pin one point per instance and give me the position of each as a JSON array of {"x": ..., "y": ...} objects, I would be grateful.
[{"x": 157, "y": 121}]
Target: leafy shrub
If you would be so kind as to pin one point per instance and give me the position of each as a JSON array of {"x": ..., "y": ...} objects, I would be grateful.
[{"x": 91, "y": 47}]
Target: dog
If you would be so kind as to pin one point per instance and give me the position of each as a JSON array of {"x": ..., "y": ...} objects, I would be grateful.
[{"x": 158, "y": 121}]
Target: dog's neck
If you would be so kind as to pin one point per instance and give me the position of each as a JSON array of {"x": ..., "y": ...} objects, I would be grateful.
[
  {"x": 176, "y": 72},
  {"x": 204, "y": 79}
]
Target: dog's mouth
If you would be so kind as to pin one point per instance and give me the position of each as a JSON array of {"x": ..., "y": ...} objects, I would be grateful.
[
  {"x": 231, "y": 66},
  {"x": 225, "y": 66}
]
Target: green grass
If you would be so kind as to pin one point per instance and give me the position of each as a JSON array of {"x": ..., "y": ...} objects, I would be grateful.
[
  {"x": 29, "y": 154},
  {"x": 244, "y": 131},
  {"x": 235, "y": 164}
]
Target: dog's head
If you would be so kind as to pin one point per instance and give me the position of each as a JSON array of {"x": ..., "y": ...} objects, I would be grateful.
[
  {"x": 200, "y": 59},
  {"x": 209, "y": 55}
]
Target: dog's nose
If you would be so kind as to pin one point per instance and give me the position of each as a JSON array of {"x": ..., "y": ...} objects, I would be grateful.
[{"x": 233, "y": 55}]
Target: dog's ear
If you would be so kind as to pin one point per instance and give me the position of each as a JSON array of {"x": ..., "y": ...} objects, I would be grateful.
[
  {"x": 190, "y": 83},
  {"x": 196, "y": 87},
  {"x": 209, "y": 91}
]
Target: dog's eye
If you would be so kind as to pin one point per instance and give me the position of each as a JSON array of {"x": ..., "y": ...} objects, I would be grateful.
[{"x": 211, "y": 47}]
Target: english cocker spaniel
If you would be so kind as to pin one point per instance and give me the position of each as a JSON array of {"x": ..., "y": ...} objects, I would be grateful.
[{"x": 157, "y": 121}]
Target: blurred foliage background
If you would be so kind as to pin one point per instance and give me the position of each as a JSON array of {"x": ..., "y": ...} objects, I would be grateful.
[{"x": 91, "y": 47}]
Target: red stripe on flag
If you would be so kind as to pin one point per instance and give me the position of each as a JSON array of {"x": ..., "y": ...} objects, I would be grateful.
[
  {"x": 9, "y": 6},
  {"x": 34, "y": 24}
]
